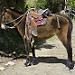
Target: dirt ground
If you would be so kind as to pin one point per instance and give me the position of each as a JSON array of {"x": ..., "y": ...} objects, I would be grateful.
[{"x": 51, "y": 59}]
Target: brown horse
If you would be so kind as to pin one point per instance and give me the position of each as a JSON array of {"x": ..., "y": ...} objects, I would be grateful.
[{"x": 44, "y": 32}]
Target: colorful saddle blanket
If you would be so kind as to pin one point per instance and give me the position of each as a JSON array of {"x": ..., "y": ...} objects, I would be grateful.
[{"x": 43, "y": 21}]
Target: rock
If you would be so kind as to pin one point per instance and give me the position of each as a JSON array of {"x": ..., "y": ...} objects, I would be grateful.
[
  {"x": 2, "y": 68},
  {"x": 10, "y": 63}
]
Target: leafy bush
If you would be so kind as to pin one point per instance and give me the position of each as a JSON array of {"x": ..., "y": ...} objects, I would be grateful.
[
  {"x": 71, "y": 4},
  {"x": 53, "y": 5}
]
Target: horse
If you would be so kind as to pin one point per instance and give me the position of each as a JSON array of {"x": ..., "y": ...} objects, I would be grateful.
[{"x": 63, "y": 31}]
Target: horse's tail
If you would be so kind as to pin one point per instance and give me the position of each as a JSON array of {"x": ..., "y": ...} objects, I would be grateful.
[{"x": 69, "y": 46}]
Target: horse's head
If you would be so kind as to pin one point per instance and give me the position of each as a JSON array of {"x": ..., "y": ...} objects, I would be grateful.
[
  {"x": 5, "y": 17},
  {"x": 8, "y": 15}
]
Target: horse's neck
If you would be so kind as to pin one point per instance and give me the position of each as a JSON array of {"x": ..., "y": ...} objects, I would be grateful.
[
  {"x": 20, "y": 26},
  {"x": 13, "y": 14}
]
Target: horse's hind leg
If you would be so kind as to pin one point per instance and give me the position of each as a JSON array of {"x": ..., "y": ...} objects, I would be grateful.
[
  {"x": 69, "y": 48},
  {"x": 66, "y": 40}
]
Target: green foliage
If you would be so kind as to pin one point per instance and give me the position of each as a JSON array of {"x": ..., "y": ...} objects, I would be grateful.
[
  {"x": 18, "y": 4},
  {"x": 41, "y": 4},
  {"x": 71, "y": 4},
  {"x": 30, "y": 3},
  {"x": 53, "y": 5}
]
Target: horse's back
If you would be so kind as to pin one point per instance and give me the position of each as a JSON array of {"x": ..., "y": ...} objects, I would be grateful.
[{"x": 51, "y": 28}]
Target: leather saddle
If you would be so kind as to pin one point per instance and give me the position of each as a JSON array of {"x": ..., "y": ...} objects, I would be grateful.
[
  {"x": 45, "y": 13},
  {"x": 41, "y": 13},
  {"x": 34, "y": 18}
]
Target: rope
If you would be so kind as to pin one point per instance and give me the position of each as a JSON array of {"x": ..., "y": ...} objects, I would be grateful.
[
  {"x": 16, "y": 23},
  {"x": 19, "y": 21},
  {"x": 16, "y": 19},
  {"x": 10, "y": 27}
]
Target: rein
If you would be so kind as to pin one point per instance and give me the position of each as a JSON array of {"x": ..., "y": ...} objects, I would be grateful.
[
  {"x": 15, "y": 19},
  {"x": 22, "y": 16}
]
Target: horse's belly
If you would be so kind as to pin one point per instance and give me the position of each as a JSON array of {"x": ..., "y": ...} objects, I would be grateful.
[{"x": 45, "y": 33}]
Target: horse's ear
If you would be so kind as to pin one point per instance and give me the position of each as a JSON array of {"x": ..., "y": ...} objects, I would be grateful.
[{"x": 4, "y": 8}]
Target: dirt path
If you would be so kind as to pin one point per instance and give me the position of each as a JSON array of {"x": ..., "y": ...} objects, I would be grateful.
[{"x": 51, "y": 59}]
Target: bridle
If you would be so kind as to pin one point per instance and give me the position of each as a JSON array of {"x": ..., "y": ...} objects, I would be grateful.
[{"x": 20, "y": 17}]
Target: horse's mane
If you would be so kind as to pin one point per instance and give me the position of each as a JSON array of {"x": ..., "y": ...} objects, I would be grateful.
[{"x": 14, "y": 10}]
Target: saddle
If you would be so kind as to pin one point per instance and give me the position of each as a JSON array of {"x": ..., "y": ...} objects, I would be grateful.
[
  {"x": 35, "y": 15},
  {"x": 41, "y": 13},
  {"x": 34, "y": 19}
]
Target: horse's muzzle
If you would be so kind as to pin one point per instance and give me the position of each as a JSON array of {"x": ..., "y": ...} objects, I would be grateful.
[{"x": 3, "y": 26}]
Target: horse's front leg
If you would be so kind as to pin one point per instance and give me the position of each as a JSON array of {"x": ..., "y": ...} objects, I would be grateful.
[
  {"x": 27, "y": 63},
  {"x": 33, "y": 51}
]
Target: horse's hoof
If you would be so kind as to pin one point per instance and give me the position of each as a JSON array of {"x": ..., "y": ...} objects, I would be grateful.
[
  {"x": 25, "y": 64},
  {"x": 28, "y": 63},
  {"x": 70, "y": 65},
  {"x": 34, "y": 61}
]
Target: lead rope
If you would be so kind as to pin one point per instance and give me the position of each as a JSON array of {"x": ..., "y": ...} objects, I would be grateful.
[
  {"x": 16, "y": 19},
  {"x": 16, "y": 23}
]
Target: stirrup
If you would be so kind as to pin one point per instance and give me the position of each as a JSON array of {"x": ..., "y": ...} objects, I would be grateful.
[{"x": 34, "y": 32}]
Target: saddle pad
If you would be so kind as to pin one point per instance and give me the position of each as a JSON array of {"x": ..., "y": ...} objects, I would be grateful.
[
  {"x": 41, "y": 22},
  {"x": 27, "y": 20}
]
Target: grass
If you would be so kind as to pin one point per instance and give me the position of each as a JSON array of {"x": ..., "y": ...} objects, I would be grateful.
[
  {"x": 54, "y": 37},
  {"x": 2, "y": 52}
]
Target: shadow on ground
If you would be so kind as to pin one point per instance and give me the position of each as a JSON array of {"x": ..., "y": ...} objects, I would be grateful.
[
  {"x": 52, "y": 60},
  {"x": 46, "y": 46}
]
